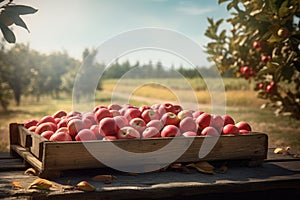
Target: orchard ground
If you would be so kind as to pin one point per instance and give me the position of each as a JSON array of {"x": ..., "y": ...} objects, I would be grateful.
[{"x": 242, "y": 105}]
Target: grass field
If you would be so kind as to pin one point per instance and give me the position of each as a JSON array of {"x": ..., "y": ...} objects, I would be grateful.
[{"x": 241, "y": 103}]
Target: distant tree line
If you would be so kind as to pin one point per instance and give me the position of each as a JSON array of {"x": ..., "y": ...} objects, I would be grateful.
[{"x": 27, "y": 72}]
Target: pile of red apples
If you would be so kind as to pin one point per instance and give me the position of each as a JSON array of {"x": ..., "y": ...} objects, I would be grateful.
[{"x": 116, "y": 121}]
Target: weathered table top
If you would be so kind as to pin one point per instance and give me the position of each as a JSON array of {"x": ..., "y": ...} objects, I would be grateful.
[{"x": 278, "y": 177}]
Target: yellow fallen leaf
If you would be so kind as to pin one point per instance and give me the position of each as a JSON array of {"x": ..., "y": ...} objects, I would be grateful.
[
  {"x": 278, "y": 150},
  {"x": 176, "y": 166},
  {"x": 85, "y": 186},
  {"x": 203, "y": 167},
  {"x": 30, "y": 171},
  {"x": 41, "y": 184},
  {"x": 16, "y": 185},
  {"x": 105, "y": 178}
]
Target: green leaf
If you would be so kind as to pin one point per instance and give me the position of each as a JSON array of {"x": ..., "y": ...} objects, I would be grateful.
[
  {"x": 21, "y": 9},
  {"x": 8, "y": 35},
  {"x": 283, "y": 10},
  {"x": 19, "y": 22},
  {"x": 274, "y": 39}
]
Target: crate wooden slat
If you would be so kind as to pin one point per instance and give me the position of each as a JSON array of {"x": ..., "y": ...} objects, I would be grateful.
[{"x": 50, "y": 158}]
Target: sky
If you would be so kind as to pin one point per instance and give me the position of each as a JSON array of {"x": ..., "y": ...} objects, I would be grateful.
[{"x": 73, "y": 25}]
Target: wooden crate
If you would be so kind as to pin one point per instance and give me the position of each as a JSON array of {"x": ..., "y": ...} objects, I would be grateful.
[{"x": 51, "y": 158}]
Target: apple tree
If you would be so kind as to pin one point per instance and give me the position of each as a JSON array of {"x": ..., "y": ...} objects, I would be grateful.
[{"x": 262, "y": 46}]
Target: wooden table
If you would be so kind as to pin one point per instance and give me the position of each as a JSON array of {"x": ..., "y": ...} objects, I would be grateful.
[{"x": 277, "y": 178}]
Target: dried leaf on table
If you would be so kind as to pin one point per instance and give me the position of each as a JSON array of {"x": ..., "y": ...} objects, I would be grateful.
[
  {"x": 30, "y": 171},
  {"x": 41, "y": 184},
  {"x": 203, "y": 167},
  {"x": 284, "y": 151},
  {"x": 16, "y": 185},
  {"x": 85, "y": 186},
  {"x": 105, "y": 178}
]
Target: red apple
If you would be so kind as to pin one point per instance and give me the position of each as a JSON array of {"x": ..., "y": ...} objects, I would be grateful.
[
  {"x": 150, "y": 132},
  {"x": 47, "y": 134},
  {"x": 265, "y": 58},
  {"x": 131, "y": 113},
  {"x": 166, "y": 107},
  {"x": 177, "y": 108},
  {"x": 98, "y": 107},
  {"x": 32, "y": 128},
  {"x": 155, "y": 123},
  {"x": 149, "y": 114},
  {"x": 128, "y": 132},
  {"x": 114, "y": 106},
  {"x": 62, "y": 123},
  {"x": 138, "y": 124},
  {"x": 144, "y": 107},
  {"x": 109, "y": 138},
  {"x": 59, "y": 114},
  {"x": 203, "y": 121},
  {"x": 257, "y": 45},
  {"x": 242, "y": 131},
  {"x": 46, "y": 126},
  {"x": 62, "y": 129},
  {"x": 87, "y": 123},
  {"x": 90, "y": 116},
  {"x": 29, "y": 123},
  {"x": 85, "y": 135},
  {"x": 228, "y": 120},
  {"x": 155, "y": 106},
  {"x": 230, "y": 129},
  {"x": 115, "y": 113},
  {"x": 185, "y": 113},
  {"x": 209, "y": 131},
  {"x": 74, "y": 126},
  {"x": 189, "y": 134},
  {"x": 243, "y": 126},
  {"x": 170, "y": 131},
  {"x": 120, "y": 121},
  {"x": 107, "y": 126},
  {"x": 73, "y": 114},
  {"x": 271, "y": 88},
  {"x": 170, "y": 118},
  {"x": 102, "y": 113},
  {"x": 46, "y": 119},
  {"x": 95, "y": 129},
  {"x": 60, "y": 136},
  {"x": 197, "y": 113},
  {"x": 188, "y": 124},
  {"x": 217, "y": 122}
]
